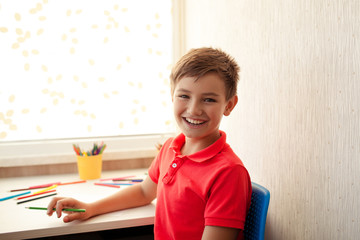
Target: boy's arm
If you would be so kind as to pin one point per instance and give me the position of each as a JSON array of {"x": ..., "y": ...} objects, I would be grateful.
[
  {"x": 134, "y": 196},
  {"x": 220, "y": 233}
]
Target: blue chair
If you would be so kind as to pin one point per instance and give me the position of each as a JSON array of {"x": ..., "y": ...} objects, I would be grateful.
[{"x": 256, "y": 217}]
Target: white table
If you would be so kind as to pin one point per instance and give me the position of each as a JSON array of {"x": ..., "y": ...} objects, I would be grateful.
[{"x": 17, "y": 222}]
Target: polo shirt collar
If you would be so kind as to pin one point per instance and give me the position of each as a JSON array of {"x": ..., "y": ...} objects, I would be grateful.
[{"x": 202, "y": 155}]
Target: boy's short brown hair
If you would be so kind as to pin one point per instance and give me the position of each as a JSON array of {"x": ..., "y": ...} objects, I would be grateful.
[{"x": 200, "y": 61}]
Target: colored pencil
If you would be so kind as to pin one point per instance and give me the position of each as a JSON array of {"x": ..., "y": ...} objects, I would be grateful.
[
  {"x": 68, "y": 183},
  {"x": 29, "y": 200},
  {"x": 14, "y": 196},
  {"x": 46, "y": 189},
  {"x": 96, "y": 150},
  {"x": 35, "y": 194},
  {"x": 76, "y": 149},
  {"x": 130, "y": 180},
  {"x": 119, "y": 184},
  {"x": 64, "y": 209},
  {"x": 102, "y": 149},
  {"x": 35, "y": 187},
  {"x": 119, "y": 178},
  {"x": 107, "y": 185},
  {"x": 45, "y": 185}
]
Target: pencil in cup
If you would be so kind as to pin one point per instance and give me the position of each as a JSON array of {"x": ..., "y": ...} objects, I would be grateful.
[{"x": 96, "y": 150}]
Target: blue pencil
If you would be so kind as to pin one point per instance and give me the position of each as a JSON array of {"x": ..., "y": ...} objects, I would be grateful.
[
  {"x": 13, "y": 196},
  {"x": 130, "y": 180},
  {"x": 121, "y": 184}
]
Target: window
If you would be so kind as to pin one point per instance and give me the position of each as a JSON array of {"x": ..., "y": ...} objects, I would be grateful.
[{"x": 81, "y": 69}]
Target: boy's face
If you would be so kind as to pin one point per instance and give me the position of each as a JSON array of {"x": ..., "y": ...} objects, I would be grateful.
[{"x": 199, "y": 106}]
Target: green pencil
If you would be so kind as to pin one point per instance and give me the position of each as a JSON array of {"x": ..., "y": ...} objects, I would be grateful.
[{"x": 64, "y": 209}]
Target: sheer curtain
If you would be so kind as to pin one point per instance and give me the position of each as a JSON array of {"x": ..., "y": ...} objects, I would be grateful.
[{"x": 77, "y": 69}]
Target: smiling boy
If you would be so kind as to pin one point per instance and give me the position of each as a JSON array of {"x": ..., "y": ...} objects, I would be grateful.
[
  {"x": 199, "y": 104},
  {"x": 202, "y": 188}
]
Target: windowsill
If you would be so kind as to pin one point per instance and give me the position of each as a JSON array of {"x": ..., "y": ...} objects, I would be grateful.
[
  {"x": 61, "y": 151},
  {"x": 67, "y": 163},
  {"x": 58, "y": 157},
  {"x": 48, "y": 165},
  {"x": 71, "y": 158}
]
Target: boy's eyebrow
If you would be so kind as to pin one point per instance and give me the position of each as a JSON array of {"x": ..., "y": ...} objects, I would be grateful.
[
  {"x": 211, "y": 94},
  {"x": 183, "y": 90},
  {"x": 204, "y": 94}
]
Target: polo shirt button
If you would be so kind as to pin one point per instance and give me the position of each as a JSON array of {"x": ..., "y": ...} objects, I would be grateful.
[{"x": 174, "y": 165}]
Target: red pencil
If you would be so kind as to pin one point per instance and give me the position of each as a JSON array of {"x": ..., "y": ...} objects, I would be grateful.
[
  {"x": 33, "y": 199},
  {"x": 76, "y": 150},
  {"x": 36, "y": 187},
  {"x": 32, "y": 195},
  {"x": 107, "y": 185},
  {"x": 67, "y": 183}
]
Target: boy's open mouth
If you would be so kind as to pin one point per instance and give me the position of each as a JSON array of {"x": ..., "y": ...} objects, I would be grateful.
[{"x": 194, "y": 122}]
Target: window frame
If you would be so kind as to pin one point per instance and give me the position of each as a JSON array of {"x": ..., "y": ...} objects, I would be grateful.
[{"x": 45, "y": 152}]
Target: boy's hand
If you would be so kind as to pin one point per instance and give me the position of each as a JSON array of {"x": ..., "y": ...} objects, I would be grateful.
[{"x": 61, "y": 203}]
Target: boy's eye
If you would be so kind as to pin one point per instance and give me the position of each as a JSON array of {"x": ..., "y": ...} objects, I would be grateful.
[
  {"x": 183, "y": 96},
  {"x": 209, "y": 100}
]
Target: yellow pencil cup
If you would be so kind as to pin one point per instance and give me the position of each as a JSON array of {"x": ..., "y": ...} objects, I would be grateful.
[{"x": 89, "y": 167}]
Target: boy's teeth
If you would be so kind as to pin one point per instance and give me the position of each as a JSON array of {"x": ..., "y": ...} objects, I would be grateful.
[{"x": 194, "y": 121}]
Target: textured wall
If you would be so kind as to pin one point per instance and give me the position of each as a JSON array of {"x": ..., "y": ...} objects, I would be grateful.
[{"x": 297, "y": 124}]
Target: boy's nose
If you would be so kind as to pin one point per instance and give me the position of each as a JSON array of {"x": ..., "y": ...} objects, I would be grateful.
[{"x": 194, "y": 109}]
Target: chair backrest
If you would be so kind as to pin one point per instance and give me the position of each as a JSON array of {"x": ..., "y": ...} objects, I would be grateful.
[{"x": 256, "y": 217}]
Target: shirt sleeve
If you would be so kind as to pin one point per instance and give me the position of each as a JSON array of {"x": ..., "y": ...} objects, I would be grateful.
[
  {"x": 229, "y": 199},
  {"x": 154, "y": 169}
]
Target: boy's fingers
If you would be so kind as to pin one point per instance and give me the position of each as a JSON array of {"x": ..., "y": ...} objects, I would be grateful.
[
  {"x": 51, "y": 205},
  {"x": 60, "y": 205},
  {"x": 71, "y": 217}
]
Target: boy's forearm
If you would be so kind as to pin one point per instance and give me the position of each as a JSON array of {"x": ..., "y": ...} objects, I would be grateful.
[{"x": 126, "y": 198}]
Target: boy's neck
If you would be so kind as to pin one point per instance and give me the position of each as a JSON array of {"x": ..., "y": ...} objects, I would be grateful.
[{"x": 192, "y": 146}]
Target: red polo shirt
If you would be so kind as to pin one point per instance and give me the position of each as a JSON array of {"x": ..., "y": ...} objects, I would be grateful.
[{"x": 210, "y": 187}]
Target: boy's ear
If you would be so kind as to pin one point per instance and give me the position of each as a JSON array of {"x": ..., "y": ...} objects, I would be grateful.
[{"x": 230, "y": 105}]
